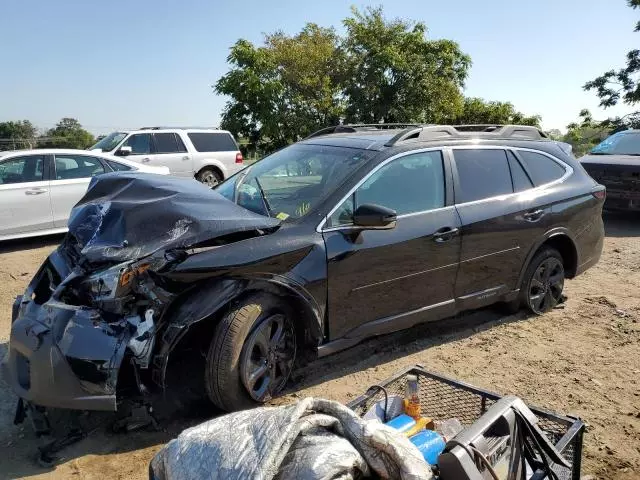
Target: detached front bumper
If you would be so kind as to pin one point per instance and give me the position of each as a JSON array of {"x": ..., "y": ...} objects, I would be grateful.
[{"x": 64, "y": 356}]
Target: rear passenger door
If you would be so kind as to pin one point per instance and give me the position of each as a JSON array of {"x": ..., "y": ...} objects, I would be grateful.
[
  {"x": 502, "y": 216},
  {"x": 71, "y": 176},
  {"x": 24, "y": 195},
  {"x": 169, "y": 151}
]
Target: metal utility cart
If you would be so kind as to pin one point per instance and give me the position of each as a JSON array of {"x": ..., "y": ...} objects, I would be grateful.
[{"x": 443, "y": 398}]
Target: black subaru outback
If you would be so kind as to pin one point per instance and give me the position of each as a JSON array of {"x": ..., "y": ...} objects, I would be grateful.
[{"x": 353, "y": 232}]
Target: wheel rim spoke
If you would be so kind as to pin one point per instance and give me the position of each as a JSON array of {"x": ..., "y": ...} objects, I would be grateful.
[
  {"x": 267, "y": 357},
  {"x": 257, "y": 373}
]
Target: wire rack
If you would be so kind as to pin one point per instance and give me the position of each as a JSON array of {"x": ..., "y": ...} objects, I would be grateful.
[{"x": 442, "y": 398}]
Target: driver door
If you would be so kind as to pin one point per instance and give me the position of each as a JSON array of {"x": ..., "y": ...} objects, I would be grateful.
[{"x": 385, "y": 280}]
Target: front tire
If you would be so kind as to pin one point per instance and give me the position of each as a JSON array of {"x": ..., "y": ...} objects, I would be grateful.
[
  {"x": 544, "y": 281},
  {"x": 251, "y": 354}
]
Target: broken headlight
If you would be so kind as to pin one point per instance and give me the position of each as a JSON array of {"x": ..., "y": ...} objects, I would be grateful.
[{"x": 114, "y": 282}]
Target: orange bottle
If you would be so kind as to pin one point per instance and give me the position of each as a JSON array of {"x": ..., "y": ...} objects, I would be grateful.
[{"x": 412, "y": 398}]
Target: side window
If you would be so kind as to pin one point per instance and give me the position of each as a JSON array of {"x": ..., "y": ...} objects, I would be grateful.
[
  {"x": 140, "y": 143},
  {"x": 521, "y": 180},
  {"x": 21, "y": 169},
  {"x": 181, "y": 147},
  {"x": 118, "y": 167},
  {"x": 541, "y": 168},
  {"x": 482, "y": 173},
  {"x": 212, "y": 142},
  {"x": 77, "y": 166},
  {"x": 167, "y": 143},
  {"x": 413, "y": 183}
]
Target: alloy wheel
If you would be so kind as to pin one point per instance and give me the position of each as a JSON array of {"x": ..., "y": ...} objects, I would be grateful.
[
  {"x": 267, "y": 357},
  {"x": 545, "y": 288},
  {"x": 209, "y": 178}
]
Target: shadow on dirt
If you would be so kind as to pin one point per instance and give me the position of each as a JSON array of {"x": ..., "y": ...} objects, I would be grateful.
[
  {"x": 386, "y": 348},
  {"x": 21, "y": 244},
  {"x": 176, "y": 413},
  {"x": 621, "y": 224}
]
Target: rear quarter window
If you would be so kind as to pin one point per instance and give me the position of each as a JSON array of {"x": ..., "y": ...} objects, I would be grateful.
[
  {"x": 212, "y": 142},
  {"x": 541, "y": 168}
]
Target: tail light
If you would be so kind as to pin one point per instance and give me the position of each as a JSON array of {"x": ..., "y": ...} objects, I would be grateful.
[
  {"x": 600, "y": 192},
  {"x": 239, "y": 158}
]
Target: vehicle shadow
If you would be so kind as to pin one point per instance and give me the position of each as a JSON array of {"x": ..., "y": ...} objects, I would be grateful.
[
  {"x": 21, "y": 244},
  {"x": 20, "y": 459},
  {"x": 621, "y": 224},
  {"x": 19, "y": 444},
  {"x": 386, "y": 348}
]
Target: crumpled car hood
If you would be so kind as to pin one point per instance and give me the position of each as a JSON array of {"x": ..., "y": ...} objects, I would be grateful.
[{"x": 126, "y": 216}]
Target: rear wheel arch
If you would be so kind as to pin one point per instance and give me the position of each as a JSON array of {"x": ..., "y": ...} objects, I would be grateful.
[{"x": 561, "y": 240}]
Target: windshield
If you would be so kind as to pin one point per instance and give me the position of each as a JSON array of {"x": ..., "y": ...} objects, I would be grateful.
[
  {"x": 109, "y": 142},
  {"x": 621, "y": 143},
  {"x": 293, "y": 181}
]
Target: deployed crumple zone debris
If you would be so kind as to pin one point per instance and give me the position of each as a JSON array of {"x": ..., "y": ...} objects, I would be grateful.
[{"x": 286, "y": 443}]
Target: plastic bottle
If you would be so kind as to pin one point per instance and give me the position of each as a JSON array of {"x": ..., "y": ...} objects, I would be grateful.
[{"x": 412, "y": 397}]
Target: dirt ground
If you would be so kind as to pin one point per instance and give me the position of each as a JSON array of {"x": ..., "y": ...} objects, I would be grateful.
[{"x": 583, "y": 359}]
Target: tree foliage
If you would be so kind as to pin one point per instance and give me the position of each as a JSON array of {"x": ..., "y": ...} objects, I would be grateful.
[
  {"x": 395, "y": 74},
  {"x": 17, "y": 134},
  {"x": 478, "y": 111},
  {"x": 68, "y": 133},
  {"x": 621, "y": 85},
  {"x": 285, "y": 88},
  {"x": 585, "y": 134},
  {"x": 381, "y": 70}
]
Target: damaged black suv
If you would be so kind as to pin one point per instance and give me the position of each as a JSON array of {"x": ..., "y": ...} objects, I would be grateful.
[{"x": 355, "y": 231}]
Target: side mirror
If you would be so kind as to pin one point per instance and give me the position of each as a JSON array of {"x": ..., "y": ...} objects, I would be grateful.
[
  {"x": 374, "y": 217},
  {"x": 124, "y": 151}
]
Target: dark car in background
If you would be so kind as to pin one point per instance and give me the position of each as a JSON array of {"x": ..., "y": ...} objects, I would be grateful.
[
  {"x": 353, "y": 232},
  {"x": 615, "y": 163}
]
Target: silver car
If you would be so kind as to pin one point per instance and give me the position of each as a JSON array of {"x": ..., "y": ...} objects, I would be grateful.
[{"x": 38, "y": 188}]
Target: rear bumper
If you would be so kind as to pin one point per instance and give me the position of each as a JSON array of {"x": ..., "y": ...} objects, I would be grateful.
[{"x": 64, "y": 356}]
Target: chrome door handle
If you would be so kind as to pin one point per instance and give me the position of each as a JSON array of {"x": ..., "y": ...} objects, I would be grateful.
[
  {"x": 145, "y": 160},
  {"x": 533, "y": 216},
  {"x": 36, "y": 191},
  {"x": 445, "y": 234},
  {"x": 185, "y": 157}
]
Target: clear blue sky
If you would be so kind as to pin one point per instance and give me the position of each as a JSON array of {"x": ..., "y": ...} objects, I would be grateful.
[{"x": 129, "y": 63}]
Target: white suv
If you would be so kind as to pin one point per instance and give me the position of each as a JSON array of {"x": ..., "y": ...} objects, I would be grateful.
[{"x": 209, "y": 155}]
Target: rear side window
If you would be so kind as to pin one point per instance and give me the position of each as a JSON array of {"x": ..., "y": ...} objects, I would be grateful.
[
  {"x": 212, "y": 142},
  {"x": 482, "y": 173},
  {"x": 540, "y": 167},
  {"x": 521, "y": 180},
  {"x": 168, "y": 143},
  {"x": 77, "y": 166},
  {"x": 118, "y": 167}
]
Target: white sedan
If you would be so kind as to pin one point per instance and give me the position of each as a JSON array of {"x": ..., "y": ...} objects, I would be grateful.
[{"x": 38, "y": 188}]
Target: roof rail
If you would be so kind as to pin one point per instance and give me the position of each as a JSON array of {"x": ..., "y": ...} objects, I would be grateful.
[
  {"x": 178, "y": 128},
  {"x": 433, "y": 132},
  {"x": 355, "y": 127}
]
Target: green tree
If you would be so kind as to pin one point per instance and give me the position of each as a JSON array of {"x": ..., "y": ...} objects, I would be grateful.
[
  {"x": 284, "y": 89},
  {"x": 68, "y": 133},
  {"x": 478, "y": 111},
  {"x": 395, "y": 74},
  {"x": 622, "y": 85},
  {"x": 17, "y": 135},
  {"x": 585, "y": 134}
]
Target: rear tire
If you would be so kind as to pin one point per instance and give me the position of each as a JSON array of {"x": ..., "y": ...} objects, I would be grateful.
[
  {"x": 543, "y": 281},
  {"x": 209, "y": 176},
  {"x": 251, "y": 354}
]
